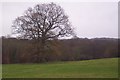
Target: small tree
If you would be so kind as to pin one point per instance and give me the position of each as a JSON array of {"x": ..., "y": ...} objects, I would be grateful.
[{"x": 42, "y": 23}]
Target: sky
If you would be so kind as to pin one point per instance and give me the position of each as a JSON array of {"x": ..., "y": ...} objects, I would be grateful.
[{"x": 89, "y": 19}]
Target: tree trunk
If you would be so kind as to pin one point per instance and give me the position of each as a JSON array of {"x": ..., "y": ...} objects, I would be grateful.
[
  {"x": 43, "y": 43},
  {"x": 40, "y": 53}
]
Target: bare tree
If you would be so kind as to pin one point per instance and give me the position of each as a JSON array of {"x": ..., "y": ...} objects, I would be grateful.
[{"x": 42, "y": 23}]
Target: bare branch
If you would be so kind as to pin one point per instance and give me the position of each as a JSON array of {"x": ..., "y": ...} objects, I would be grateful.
[{"x": 43, "y": 21}]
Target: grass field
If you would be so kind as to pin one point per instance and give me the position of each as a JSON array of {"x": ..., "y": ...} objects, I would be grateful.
[{"x": 99, "y": 68}]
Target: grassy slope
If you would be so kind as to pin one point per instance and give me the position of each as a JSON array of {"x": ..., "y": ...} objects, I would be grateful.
[{"x": 100, "y": 68}]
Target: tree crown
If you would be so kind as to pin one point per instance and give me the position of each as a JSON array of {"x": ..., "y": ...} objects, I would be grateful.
[{"x": 47, "y": 21}]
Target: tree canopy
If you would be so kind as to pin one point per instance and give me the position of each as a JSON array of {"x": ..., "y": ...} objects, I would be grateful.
[
  {"x": 46, "y": 21},
  {"x": 43, "y": 23}
]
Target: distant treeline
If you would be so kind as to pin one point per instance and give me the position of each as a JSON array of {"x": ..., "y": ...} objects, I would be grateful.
[{"x": 22, "y": 51}]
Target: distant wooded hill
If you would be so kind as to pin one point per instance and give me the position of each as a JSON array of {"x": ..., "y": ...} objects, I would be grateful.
[{"x": 22, "y": 51}]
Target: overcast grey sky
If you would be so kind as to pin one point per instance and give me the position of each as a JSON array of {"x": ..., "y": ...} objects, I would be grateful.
[{"x": 90, "y": 19}]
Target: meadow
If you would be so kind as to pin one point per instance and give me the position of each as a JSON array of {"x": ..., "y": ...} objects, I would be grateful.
[{"x": 98, "y": 68}]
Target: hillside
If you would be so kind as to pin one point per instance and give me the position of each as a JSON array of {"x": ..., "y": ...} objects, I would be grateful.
[
  {"x": 99, "y": 68},
  {"x": 24, "y": 51}
]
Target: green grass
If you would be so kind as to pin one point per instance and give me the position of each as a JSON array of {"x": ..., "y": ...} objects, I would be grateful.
[
  {"x": 0, "y": 71},
  {"x": 99, "y": 68}
]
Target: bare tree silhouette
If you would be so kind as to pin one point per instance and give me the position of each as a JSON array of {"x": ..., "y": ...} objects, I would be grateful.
[{"x": 42, "y": 23}]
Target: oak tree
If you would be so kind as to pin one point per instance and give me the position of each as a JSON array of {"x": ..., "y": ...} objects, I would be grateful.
[{"x": 42, "y": 23}]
